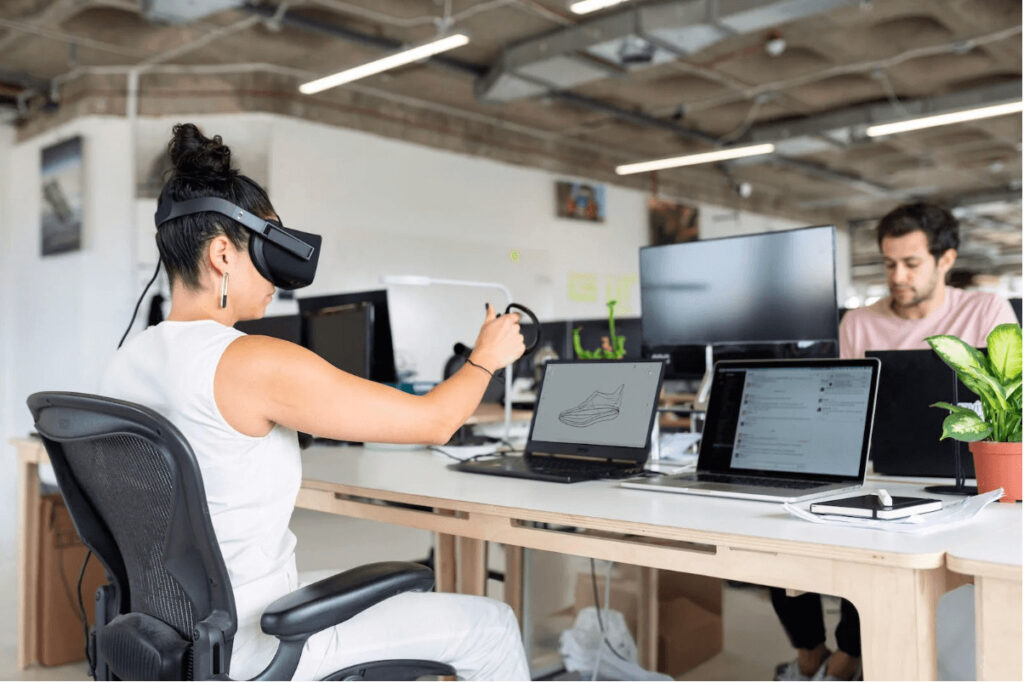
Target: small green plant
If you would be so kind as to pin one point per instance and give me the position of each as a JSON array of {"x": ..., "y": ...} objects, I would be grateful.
[
  {"x": 996, "y": 379},
  {"x": 613, "y": 346}
]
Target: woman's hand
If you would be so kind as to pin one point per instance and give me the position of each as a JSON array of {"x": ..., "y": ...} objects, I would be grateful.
[{"x": 500, "y": 341}]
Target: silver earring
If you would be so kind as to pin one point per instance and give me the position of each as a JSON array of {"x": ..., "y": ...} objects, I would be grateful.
[{"x": 224, "y": 291}]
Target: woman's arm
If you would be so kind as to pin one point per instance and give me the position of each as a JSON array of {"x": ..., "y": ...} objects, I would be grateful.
[{"x": 262, "y": 381}]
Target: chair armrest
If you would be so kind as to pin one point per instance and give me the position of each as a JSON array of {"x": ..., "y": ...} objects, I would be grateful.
[{"x": 334, "y": 600}]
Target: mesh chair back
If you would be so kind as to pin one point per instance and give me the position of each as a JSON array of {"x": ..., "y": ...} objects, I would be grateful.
[{"x": 135, "y": 493}]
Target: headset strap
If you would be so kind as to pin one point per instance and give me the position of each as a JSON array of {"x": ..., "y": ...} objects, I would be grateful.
[{"x": 169, "y": 210}]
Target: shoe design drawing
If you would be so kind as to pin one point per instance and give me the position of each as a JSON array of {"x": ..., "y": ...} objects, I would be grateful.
[{"x": 598, "y": 407}]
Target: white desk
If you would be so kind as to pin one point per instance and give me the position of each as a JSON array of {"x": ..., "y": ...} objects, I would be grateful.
[
  {"x": 893, "y": 579},
  {"x": 994, "y": 560}
]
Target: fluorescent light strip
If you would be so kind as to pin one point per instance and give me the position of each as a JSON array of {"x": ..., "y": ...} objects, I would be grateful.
[
  {"x": 392, "y": 61},
  {"x": 587, "y": 6},
  {"x": 944, "y": 119},
  {"x": 694, "y": 159}
]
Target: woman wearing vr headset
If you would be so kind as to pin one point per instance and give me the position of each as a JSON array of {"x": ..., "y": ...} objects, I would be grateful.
[{"x": 239, "y": 401}]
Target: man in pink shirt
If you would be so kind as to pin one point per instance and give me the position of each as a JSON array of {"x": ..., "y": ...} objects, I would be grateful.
[{"x": 919, "y": 243}]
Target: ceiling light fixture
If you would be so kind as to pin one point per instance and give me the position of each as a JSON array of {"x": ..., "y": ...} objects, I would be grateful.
[
  {"x": 695, "y": 159},
  {"x": 944, "y": 119},
  {"x": 407, "y": 56},
  {"x": 588, "y": 6}
]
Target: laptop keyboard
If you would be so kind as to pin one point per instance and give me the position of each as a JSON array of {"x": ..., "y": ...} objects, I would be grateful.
[
  {"x": 581, "y": 468},
  {"x": 756, "y": 480}
]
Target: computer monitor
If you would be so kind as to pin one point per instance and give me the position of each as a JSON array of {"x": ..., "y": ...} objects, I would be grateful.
[
  {"x": 775, "y": 287},
  {"x": 382, "y": 354},
  {"x": 342, "y": 335},
  {"x": 287, "y": 327}
]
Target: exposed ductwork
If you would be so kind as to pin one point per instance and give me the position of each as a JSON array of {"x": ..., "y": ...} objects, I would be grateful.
[
  {"x": 183, "y": 11},
  {"x": 633, "y": 39},
  {"x": 837, "y": 129}
]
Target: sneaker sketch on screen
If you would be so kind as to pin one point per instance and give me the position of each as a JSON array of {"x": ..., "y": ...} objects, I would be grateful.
[{"x": 598, "y": 407}]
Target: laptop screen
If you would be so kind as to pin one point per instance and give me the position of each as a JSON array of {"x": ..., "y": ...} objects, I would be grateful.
[
  {"x": 793, "y": 418},
  {"x": 597, "y": 403}
]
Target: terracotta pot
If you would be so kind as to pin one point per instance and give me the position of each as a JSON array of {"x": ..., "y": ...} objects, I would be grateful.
[{"x": 998, "y": 465}]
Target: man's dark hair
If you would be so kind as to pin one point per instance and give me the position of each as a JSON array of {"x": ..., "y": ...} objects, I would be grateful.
[
  {"x": 202, "y": 168},
  {"x": 938, "y": 225}
]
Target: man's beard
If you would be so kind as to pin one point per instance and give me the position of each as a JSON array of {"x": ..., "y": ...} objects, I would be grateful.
[{"x": 918, "y": 298}]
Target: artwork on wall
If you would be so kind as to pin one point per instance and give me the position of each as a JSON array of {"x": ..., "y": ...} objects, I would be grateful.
[
  {"x": 61, "y": 207},
  {"x": 580, "y": 200},
  {"x": 672, "y": 223}
]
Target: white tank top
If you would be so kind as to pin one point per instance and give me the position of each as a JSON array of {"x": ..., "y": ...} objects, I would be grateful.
[{"x": 251, "y": 483}]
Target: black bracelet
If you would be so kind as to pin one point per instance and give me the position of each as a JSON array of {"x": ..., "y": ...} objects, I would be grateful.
[{"x": 489, "y": 373}]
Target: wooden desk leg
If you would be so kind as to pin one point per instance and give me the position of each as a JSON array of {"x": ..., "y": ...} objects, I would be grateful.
[
  {"x": 444, "y": 562},
  {"x": 897, "y": 609},
  {"x": 647, "y": 619},
  {"x": 471, "y": 576},
  {"x": 513, "y": 591},
  {"x": 997, "y": 614},
  {"x": 28, "y": 561}
]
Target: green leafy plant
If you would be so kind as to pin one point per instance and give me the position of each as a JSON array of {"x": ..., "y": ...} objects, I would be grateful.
[
  {"x": 996, "y": 379},
  {"x": 614, "y": 346}
]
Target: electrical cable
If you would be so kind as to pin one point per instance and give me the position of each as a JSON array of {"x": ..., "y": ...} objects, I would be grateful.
[
  {"x": 597, "y": 604},
  {"x": 139, "y": 302}
]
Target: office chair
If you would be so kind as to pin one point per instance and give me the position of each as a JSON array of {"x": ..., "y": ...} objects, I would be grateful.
[{"x": 135, "y": 493}]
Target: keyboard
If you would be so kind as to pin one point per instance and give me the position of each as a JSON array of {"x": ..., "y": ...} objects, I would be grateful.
[{"x": 754, "y": 480}]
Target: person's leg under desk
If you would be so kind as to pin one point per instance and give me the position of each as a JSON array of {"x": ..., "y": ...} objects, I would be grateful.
[
  {"x": 804, "y": 623},
  {"x": 477, "y": 636}
]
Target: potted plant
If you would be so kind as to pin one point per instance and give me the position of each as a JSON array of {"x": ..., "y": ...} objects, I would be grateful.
[
  {"x": 994, "y": 435},
  {"x": 613, "y": 346}
]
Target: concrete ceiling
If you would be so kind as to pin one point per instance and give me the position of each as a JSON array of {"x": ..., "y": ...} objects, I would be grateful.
[{"x": 540, "y": 86}]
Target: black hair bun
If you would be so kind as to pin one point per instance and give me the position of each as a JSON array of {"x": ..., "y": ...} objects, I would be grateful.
[{"x": 198, "y": 157}]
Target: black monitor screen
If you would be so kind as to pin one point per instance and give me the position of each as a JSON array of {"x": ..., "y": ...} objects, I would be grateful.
[
  {"x": 341, "y": 335},
  {"x": 771, "y": 287},
  {"x": 382, "y": 354},
  {"x": 287, "y": 327}
]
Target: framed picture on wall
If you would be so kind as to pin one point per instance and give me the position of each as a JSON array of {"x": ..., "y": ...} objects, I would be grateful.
[
  {"x": 61, "y": 207},
  {"x": 579, "y": 200},
  {"x": 672, "y": 223}
]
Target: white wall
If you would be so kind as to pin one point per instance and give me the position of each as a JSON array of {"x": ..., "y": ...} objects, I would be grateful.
[
  {"x": 383, "y": 206},
  {"x": 62, "y": 315},
  {"x": 8, "y": 479}
]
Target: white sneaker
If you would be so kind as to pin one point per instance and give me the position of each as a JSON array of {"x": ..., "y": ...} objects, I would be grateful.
[
  {"x": 858, "y": 675},
  {"x": 791, "y": 671}
]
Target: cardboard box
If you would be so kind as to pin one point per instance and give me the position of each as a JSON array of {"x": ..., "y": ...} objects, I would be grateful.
[
  {"x": 60, "y": 637},
  {"x": 689, "y": 613},
  {"x": 688, "y": 635}
]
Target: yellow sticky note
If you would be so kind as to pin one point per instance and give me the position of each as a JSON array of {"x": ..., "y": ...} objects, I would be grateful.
[
  {"x": 619, "y": 288},
  {"x": 582, "y": 287}
]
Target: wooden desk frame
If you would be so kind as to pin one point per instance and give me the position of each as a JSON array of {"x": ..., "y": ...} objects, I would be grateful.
[{"x": 896, "y": 595}]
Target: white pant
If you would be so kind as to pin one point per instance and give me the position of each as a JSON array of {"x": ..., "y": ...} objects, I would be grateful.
[{"x": 477, "y": 636}]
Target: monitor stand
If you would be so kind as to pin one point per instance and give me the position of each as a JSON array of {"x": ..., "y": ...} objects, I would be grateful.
[
  {"x": 959, "y": 488},
  {"x": 700, "y": 403}
]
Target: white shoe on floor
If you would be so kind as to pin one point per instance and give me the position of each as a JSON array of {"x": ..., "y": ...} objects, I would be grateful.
[
  {"x": 791, "y": 671},
  {"x": 858, "y": 675}
]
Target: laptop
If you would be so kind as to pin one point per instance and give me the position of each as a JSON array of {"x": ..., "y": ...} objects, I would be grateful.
[
  {"x": 592, "y": 420},
  {"x": 781, "y": 430},
  {"x": 906, "y": 436}
]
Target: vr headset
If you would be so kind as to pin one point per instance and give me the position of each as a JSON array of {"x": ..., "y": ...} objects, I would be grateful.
[{"x": 287, "y": 258}]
